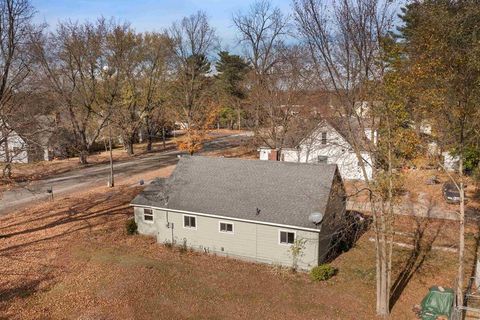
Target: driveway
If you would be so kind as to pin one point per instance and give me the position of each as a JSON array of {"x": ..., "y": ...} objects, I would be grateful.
[{"x": 97, "y": 175}]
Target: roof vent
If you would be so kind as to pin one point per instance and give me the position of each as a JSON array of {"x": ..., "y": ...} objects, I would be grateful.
[{"x": 315, "y": 217}]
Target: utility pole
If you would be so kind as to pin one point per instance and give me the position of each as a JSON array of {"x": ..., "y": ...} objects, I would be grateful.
[{"x": 109, "y": 72}]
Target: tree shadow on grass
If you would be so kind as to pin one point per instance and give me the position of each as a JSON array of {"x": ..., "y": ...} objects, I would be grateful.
[
  {"x": 22, "y": 290},
  {"x": 354, "y": 226},
  {"x": 81, "y": 211},
  {"x": 425, "y": 234},
  {"x": 24, "y": 268},
  {"x": 83, "y": 215}
]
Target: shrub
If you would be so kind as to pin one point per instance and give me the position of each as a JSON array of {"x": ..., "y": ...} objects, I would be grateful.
[
  {"x": 131, "y": 226},
  {"x": 322, "y": 272},
  {"x": 183, "y": 247},
  {"x": 168, "y": 244}
]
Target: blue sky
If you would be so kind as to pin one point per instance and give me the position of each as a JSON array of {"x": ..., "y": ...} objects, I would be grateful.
[{"x": 148, "y": 14}]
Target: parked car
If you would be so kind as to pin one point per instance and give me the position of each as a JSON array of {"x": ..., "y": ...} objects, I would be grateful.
[{"x": 451, "y": 193}]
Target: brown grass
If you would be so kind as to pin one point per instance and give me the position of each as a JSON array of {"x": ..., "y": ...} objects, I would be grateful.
[{"x": 71, "y": 259}]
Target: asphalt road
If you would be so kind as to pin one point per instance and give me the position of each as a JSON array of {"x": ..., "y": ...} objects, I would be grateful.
[{"x": 97, "y": 175}]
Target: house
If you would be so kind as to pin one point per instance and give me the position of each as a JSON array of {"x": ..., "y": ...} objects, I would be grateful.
[
  {"x": 450, "y": 161},
  {"x": 16, "y": 148},
  {"x": 13, "y": 148},
  {"x": 329, "y": 143},
  {"x": 247, "y": 209},
  {"x": 31, "y": 143}
]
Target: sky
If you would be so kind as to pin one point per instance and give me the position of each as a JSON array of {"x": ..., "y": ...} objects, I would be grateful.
[{"x": 148, "y": 15}]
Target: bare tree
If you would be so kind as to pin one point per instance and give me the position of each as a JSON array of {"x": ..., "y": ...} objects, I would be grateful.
[
  {"x": 193, "y": 41},
  {"x": 345, "y": 45},
  {"x": 71, "y": 59},
  {"x": 16, "y": 32},
  {"x": 262, "y": 31},
  {"x": 134, "y": 75},
  {"x": 124, "y": 58},
  {"x": 283, "y": 111},
  {"x": 157, "y": 60}
]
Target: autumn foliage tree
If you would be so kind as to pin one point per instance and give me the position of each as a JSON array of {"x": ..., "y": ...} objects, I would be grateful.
[
  {"x": 190, "y": 94},
  {"x": 442, "y": 53}
]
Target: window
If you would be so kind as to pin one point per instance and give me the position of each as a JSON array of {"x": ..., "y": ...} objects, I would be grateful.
[
  {"x": 322, "y": 159},
  {"x": 287, "y": 237},
  {"x": 226, "y": 227},
  {"x": 190, "y": 222},
  {"x": 148, "y": 215},
  {"x": 324, "y": 138}
]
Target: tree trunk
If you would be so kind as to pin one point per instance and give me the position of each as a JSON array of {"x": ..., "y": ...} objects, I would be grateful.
[
  {"x": 163, "y": 137},
  {"x": 84, "y": 146},
  {"x": 112, "y": 179},
  {"x": 461, "y": 244},
  {"x": 239, "y": 123},
  {"x": 150, "y": 134},
  {"x": 83, "y": 157},
  {"x": 149, "y": 143},
  {"x": 7, "y": 170},
  {"x": 129, "y": 147}
]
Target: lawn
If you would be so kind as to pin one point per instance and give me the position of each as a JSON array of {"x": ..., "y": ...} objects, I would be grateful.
[{"x": 72, "y": 259}]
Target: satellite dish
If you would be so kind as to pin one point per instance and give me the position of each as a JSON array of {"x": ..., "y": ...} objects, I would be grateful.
[{"x": 315, "y": 217}]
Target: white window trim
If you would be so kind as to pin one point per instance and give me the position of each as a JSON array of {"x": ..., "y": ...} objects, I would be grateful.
[
  {"x": 183, "y": 221},
  {"x": 324, "y": 141},
  {"x": 289, "y": 231},
  {"x": 143, "y": 216},
  {"x": 227, "y": 222}
]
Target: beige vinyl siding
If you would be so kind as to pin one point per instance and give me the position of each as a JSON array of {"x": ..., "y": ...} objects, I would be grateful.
[
  {"x": 249, "y": 241},
  {"x": 270, "y": 250},
  {"x": 146, "y": 227}
]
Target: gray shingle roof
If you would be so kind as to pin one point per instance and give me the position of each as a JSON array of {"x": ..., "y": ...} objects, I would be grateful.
[{"x": 284, "y": 192}]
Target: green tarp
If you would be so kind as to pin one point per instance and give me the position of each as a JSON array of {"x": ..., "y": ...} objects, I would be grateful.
[{"x": 437, "y": 303}]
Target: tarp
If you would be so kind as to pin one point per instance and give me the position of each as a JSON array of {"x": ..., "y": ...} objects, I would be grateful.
[{"x": 437, "y": 303}]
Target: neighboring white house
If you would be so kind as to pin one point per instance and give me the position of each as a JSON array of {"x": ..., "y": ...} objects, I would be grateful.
[
  {"x": 450, "y": 162},
  {"x": 247, "y": 209},
  {"x": 16, "y": 149},
  {"x": 13, "y": 149},
  {"x": 328, "y": 144}
]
